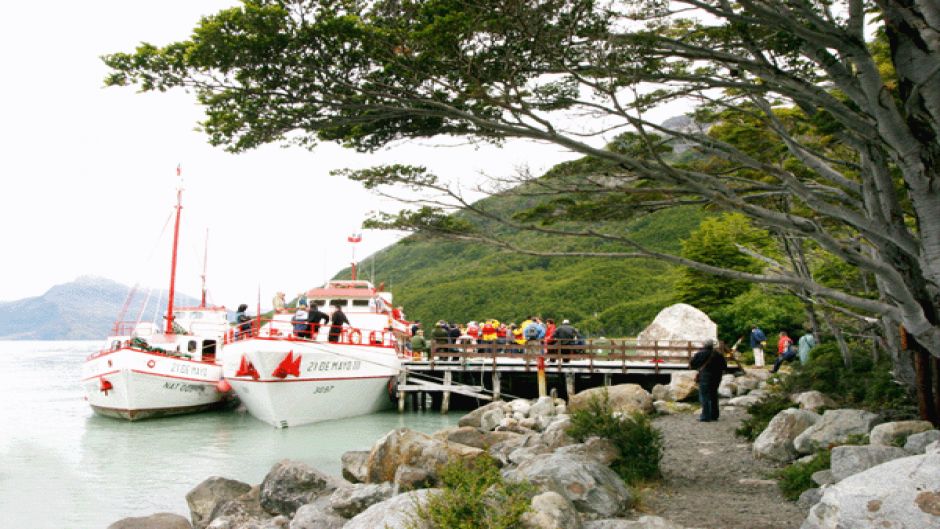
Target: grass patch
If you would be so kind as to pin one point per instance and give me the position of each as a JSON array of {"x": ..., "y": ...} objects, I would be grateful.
[
  {"x": 474, "y": 496},
  {"x": 760, "y": 415},
  {"x": 796, "y": 478},
  {"x": 639, "y": 442}
]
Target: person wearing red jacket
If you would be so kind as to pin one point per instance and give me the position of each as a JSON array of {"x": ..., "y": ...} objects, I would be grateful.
[{"x": 785, "y": 351}]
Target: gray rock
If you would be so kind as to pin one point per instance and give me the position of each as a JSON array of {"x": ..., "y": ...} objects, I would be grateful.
[
  {"x": 660, "y": 392},
  {"x": 543, "y": 407},
  {"x": 408, "y": 478},
  {"x": 314, "y": 517},
  {"x": 776, "y": 441},
  {"x": 556, "y": 435},
  {"x": 241, "y": 510},
  {"x": 728, "y": 387},
  {"x": 355, "y": 467},
  {"x": 465, "y": 435},
  {"x": 520, "y": 406},
  {"x": 917, "y": 443},
  {"x": 397, "y": 512},
  {"x": 900, "y": 494},
  {"x": 679, "y": 322},
  {"x": 204, "y": 498},
  {"x": 624, "y": 398},
  {"x": 351, "y": 500},
  {"x": 644, "y": 522},
  {"x": 551, "y": 510},
  {"x": 744, "y": 401},
  {"x": 835, "y": 427},
  {"x": 473, "y": 418},
  {"x": 408, "y": 447},
  {"x": 823, "y": 478},
  {"x": 672, "y": 408},
  {"x": 808, "y": 498},
  {"x": 891, "y": 433},
  {"x": 491, "y": 419},
  {"x": 849, "y": 460},
  {"x": 601, "y": 450},
  {"x": 278, "y": 522},
  {"x": 812, "y": 400},
  {"x": 589, "y": 485},
  {"x": 743, "y": 385},
  {"x": 292, "y": 484},
  {"x": 682, "y": 385},
  {"x": 162, "y": 520}
]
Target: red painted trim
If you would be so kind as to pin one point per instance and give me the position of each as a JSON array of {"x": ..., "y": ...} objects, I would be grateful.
[
  {"x": 101, "y": 375},
  {"x": 161, "y": 375},
  {"x": 102, "y": 354},
  {"x": 306, "y": 379},
  {"x": 297, "y": 340}
]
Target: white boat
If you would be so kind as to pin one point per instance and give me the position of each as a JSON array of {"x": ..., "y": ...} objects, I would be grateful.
[
  {"x": 286, "y": 380},
  {"x": 147, "y": 371}
]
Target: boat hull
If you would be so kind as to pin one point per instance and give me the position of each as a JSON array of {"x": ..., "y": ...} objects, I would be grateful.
[
  {"x": 330, "y": 381},
  {"x": 131, "y": 384}
]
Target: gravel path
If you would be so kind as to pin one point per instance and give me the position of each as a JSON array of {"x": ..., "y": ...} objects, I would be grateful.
[{"x": 711, "y": 480}]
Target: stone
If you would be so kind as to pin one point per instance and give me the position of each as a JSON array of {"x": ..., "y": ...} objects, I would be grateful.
[
  {"x": 520, "y": 406},
  {"x": 561, "y": 409},
  {"x": 543, "y": 407},
  {"x": 592, "y": 487},
  {"x": 813, "y": 400},
  {"x": 744, "y": 385},
  {"x": 313, "y": 517},
  {"x": 895, "y": 433},
  {"x": 473, "y": 418},
  {"x": 550, "y": 510},
  {"x": 397, "y": 512},
  {"x": 660, "y": 392},
  {"x": 899, "y": 494},
  {"x": 491, "y": 438},
  {"x": 823, "y": 478},
  {"x": 528, "y": 423},
  {"x": 848, "y": 460},
  {"x": 834, "y": 428},
  {"x": 599, "y": 449},
  {"x": 682, "y": 385},
  {"x": 744, "y": 401},
  {"x": 776, "y": 441},
  {"x": 759, "y": 373},
  {"x": 917, "y": 443},
  {"x": 727, "y": 387},
  {"x": 808, "y": 498},
  {"x": 679, "y": 322},
  {"x": 204, "y": 498},
  {"x": 292, "y": 484},
  {"x": 556, "y": 435},
  {"x": 408, "y": 477},
  {"x": 624, "y": 398},
  {"x": 644, "y": 522},
  {"x": 355, "y": 468},
  {"x": 490, "y": 420},
  {"x": 408, "y": 447},
  {"x": 243, "y": 509},
  {"x": 351, "y": 500},
  {"x": 161, "y": 520},
  {"x": 465, "y": 435},
  {"x": 672, "y": 408}
]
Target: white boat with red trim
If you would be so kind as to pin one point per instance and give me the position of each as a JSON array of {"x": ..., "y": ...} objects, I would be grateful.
[
  {"x": 145, "y": 371},
  {"x": 286, "y": 379}
]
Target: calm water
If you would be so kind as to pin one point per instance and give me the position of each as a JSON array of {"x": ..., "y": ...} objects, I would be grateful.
[{"x": 63, "y": 467}]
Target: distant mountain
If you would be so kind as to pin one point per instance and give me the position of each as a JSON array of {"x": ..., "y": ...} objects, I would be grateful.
[{"x": 84, "y": 309}]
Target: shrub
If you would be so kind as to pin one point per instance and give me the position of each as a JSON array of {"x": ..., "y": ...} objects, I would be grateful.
[
  {"x": 640, "y": 444},
  {"x": 474, "y": 496},
  {"x": 796, "y": 478},
  {"x": 760, "y": 414}
]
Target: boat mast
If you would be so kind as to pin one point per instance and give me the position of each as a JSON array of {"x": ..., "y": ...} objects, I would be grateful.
[
  {"x": 176, "y": 238},
  {"x": 205, "y": 259}
]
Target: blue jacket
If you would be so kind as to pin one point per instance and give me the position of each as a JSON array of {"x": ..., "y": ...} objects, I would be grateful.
[
  {"x": 536, "y": 333},
  {"x": 757, "y": 336}
]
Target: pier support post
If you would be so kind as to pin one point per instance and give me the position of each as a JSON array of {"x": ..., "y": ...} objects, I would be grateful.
[
  {"x": 569, "y": 384},
  {"x": 402, "y": 380},
  {"x": 543, "y": 390},
  {"x": 497, "y": 386},
  {"x": 606, "y": 379},
  {"x": 445, "y": 399}
]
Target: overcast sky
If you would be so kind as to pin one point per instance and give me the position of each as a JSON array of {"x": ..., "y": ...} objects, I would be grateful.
[{"x": 89, "y": 172}]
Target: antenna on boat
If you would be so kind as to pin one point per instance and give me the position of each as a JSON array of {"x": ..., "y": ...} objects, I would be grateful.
[
  {"x": 205, "y": 260},
  {"x": 353, "y": 239},
  {"x": 176, "y": 239}
]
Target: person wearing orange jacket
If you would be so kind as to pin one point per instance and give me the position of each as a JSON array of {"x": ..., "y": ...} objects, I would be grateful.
[{"x": 785, "y": 351}]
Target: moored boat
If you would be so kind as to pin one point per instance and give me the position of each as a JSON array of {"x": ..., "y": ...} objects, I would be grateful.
[{"x": 147, "y": 371}]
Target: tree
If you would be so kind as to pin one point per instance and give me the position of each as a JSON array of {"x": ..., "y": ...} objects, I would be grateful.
[{"x": 367, "y": 73}]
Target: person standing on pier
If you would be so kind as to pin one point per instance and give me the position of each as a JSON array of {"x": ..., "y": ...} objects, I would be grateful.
[{"x": 710, "y": 364}]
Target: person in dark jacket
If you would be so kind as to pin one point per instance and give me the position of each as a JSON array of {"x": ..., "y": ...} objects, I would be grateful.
[
  {"x": 336, "y": 324},
  {"x": 315, "y": 317},
  {"x": 243, "y": 320},
  {"x": 710, "y": 364}
]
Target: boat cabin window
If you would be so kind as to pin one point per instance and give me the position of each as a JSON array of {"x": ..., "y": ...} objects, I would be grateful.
[
  {"x": 339, "y": 302},
  {"x": 115, "y": 345},
  {"x": 208, "y": 350},
  {"x": 361, "y": 303},
  {"x": 317, "y": 302},
  {"x": 191, "y": 347}
]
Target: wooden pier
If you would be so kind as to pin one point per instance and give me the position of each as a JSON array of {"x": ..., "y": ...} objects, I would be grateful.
[{"x": 486, "y": 372}]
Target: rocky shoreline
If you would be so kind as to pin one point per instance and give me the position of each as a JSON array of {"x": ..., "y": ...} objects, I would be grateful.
[{"x": 575, "y": 487}]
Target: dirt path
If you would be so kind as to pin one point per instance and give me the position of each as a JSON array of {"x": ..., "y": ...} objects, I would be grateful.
[{"x": 711, "y": 480}]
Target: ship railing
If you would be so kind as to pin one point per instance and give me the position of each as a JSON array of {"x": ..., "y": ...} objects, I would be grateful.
[{"x": 281, "y": 329}]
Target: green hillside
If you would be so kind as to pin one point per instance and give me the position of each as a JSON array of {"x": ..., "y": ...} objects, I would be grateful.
[{"x": 454, "y": 281}]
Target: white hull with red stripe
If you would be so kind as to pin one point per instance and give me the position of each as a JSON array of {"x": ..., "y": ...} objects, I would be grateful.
[
  {"x": 325, "y": 380},
  {"x": 132, "y": 384}
]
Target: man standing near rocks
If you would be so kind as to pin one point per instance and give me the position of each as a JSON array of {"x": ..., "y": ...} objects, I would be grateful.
[
  {"x": 758, "y": 341},
  {"x": 711, "y": 365}
]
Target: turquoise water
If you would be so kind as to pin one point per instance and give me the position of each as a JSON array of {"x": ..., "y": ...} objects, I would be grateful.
[{"x": 63, "y": 467}]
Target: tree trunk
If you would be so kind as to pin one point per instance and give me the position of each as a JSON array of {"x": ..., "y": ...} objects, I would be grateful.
[
  {"x": 840, "y": 340},
  {"x": 924, "y": 385}
]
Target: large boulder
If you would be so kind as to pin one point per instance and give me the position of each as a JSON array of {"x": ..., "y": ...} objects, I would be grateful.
[
  {"x": 679, "y": 322},
  {"x": 727, "y": 387},
  {"x": 351, "y": 500},
  {"x": 917, "y": 443},
  {"x": 465, "y": 435},
  {"x": 491, "y": 419},
  {"x": 900, "y": 494},
  {"x": 776, "y": 441},
  {"x": 744, "y": 401},
  {"x": 895, "y": 433},
  {"x": 834, "y": 428},
  {"x": 397, "y": 512},
  {"x": 204, "y": 498},
  {"x": 542, "y": 408},
  {"x": 162, "y": 520},
  {"x": 292, "y": 484},
  {"x": 624, "y": 398},
  {"x": 644, "y": 522},
  {"x": 682, "y": 385},
  {"x": 408, "y": 447},
  {"x": 473, "y": 418},
  {"x": 355, "y": 465},
  {"x": 849, "y": 460},
  {"x": 315, "y": 517},
  {"x": 590, "y": 486},
  {"x": 242, "y": 510},
  {"x": 813, "y": 400},
  {"x": 550, "y": 510},
  {"x": 602, "y": 450}
]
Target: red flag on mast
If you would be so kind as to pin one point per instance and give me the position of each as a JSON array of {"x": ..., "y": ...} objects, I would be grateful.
[
  {"x": 179, "y": 169},
  {"x": 355, "y": 237}
]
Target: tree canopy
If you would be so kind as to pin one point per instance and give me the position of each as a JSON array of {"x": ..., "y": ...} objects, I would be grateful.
[{"x": 817, "y": 119}]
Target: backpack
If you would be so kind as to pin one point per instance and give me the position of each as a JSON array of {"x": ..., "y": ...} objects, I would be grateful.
[{"x": 531, "y": 332}]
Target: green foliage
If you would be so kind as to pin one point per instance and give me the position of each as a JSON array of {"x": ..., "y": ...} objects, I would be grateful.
[
  {"x": 865, "y": 385},
  {"x": 796, "y": 478},
  {"x": 769, "y": 310},
  {"x": 760, "y": 414},
  {"x": 640, "y": 444},
  {"x": 474, "y": 496}
]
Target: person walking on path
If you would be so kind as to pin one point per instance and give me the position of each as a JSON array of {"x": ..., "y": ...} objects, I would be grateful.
[
  {"x": 785, "y": 352},
  {"x": 710, "y": 364},
  {"x": 804, "y": 346},
  {"x": 758, "y": 342}
]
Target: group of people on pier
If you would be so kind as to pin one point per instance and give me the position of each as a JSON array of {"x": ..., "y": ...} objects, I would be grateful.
[{"x": 531, "y": 335}]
